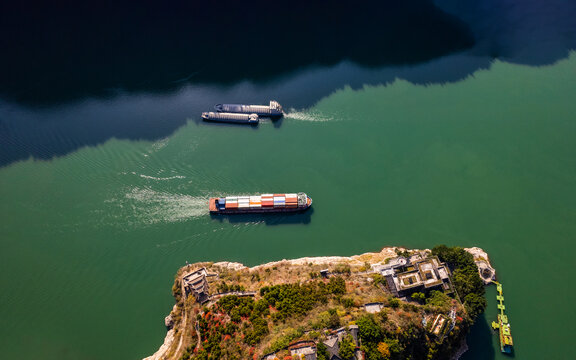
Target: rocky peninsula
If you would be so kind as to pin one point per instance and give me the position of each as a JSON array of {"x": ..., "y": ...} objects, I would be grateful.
[{"x": 393, "y": 304}]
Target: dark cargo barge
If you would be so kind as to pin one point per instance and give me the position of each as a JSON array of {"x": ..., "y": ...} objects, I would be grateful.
[
  {"x": 265, "y": 203},
  {"x": 233, "y": 118},
  {"x": 272, "y": 110}
]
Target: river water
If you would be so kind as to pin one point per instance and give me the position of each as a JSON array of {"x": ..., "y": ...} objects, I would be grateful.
[{"x": 106, "y": 170}]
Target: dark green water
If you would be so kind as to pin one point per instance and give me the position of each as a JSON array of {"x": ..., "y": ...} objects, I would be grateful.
[
  {"x": 91, "y": 240},
  {"x": 413, "y": 124}
]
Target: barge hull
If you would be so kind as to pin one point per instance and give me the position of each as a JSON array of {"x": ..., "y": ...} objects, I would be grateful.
[
  {"x": 272, "y": 110},
  {"x": 232, "y": 118},
  {"x": 258, "y": 211}
]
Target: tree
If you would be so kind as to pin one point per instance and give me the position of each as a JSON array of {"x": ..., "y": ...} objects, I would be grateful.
[
  {"x": 321, "y": 352},
  {"x": 475, "y": 304},
  {"x": 347, "y": 347},
  {"x": 394, "y": 346},
  {"x": 369, "y": 330},
  {"x": 465, "y": 277},
  {"x": 384, "y": 350},
  {"x": 418, "y": 296}
]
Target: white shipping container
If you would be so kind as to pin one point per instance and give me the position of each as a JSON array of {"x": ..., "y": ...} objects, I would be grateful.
[
  {"x": 241, "y": 198},
  {"x": 291, "y": 195},
  {"x": 243, "y": 205},
  {"x": 255, "y": 198},
  {"x": 231, "y": 199},
  {"x": 267, "y": 195},
  {"x": 255, "y": 206},
  {"x": 279, "y": 198}
]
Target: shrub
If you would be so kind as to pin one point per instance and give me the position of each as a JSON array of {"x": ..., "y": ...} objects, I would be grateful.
[
  {"x": 394, "y": 303},
  {"x": 439, "y": 300},
  {"x": 336, "y": 286},
  {"x": 347, "y": 302},
  {"x": 347, "y": 347},
  {"x": 342, "y": 269},
  {"x": 384, "y": 350},
  {"x": 321, "y": 352},
  {"x": 418, "y": 296}
]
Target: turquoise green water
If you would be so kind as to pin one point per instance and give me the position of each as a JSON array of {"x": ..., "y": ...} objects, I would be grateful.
[{"x": 91, "y": 240}]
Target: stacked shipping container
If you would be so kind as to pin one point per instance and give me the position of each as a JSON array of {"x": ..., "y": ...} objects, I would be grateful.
[
  {"x": 243, "y": 202},
  {"x": 267, "y": 200},
  {"x": 291, "y": 200}
]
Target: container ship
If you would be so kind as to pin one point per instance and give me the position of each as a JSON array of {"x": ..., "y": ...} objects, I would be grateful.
[
  {"x": 272, "y": 110},
  {"x": 265, "y": 203}
]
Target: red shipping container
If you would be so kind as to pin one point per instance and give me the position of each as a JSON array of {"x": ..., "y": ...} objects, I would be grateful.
[{"x": 231, "y": 205}]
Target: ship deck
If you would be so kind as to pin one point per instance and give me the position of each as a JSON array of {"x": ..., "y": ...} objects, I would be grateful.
[{"x": 212, "y": 205}]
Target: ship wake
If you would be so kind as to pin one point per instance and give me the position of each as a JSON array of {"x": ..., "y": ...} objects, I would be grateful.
[
  {"x": 311, "y": 116},
  {"x": 152, "y": 207}
]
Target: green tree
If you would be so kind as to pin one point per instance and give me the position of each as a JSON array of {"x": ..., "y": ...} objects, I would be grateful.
[
  {"x": 475, "y": 304},
  {"x": 418, "y": 296},
  {"x": 347, "y": 347},
  {"x": 321, "y": 352},
  {"x": 465, "y": 277},
  {"x": 394, "y": 346},
  {"x": 369, "y": 330}
]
